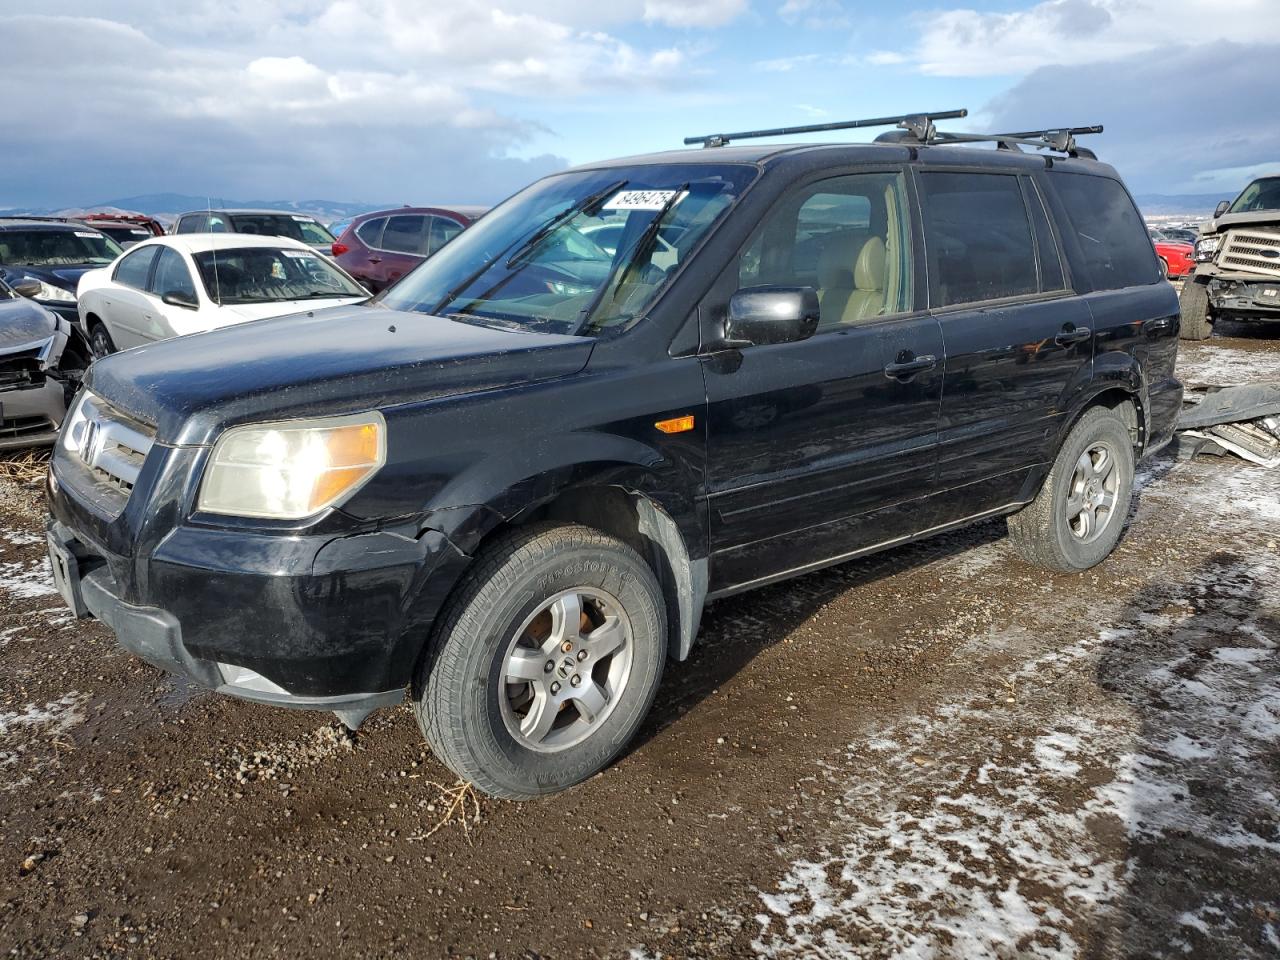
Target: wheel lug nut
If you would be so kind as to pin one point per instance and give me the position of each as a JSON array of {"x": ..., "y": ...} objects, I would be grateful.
[
  {"x": 576, "y": 680},
  {"x": 567, "y": 646},
  {"x": 551, "y": 665},
  {"x": 555, "y": 688},
  {"x": 582, "y": 654}
]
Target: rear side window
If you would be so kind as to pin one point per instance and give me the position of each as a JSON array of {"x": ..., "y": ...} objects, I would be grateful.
[
  {"x": 172, "y": 275},
  {"x": 978, "y": 237},
  {"x": 194, "y": 224},
  {"x": 370, "y": 232},
  {"x": 406, "y": 234},
  {"x": 134, "y": 269},
  {"x": 1113, "y": 239}
]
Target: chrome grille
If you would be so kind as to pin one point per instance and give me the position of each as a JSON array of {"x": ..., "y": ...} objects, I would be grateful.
[
  {"x": 108, "y": 447},
  {"x": 1254, "y": 251}
]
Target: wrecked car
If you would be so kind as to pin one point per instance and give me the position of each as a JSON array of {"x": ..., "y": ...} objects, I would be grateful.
[
  {"x": 512, "y": 481},
  {"x": 42, "y": 360},
  {"x": 54, "y": 253},
  {"x": 1237, "y": 274}
]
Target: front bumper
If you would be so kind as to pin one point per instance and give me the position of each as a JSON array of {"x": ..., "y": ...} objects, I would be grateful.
[
  {"x": 322, "y": 622},
  {"x": 30, "y": 416},
  {"x": 1250, "y": 299}
]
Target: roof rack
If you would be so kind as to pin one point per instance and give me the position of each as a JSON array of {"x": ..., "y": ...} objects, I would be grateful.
[
  {"x": 1058, "y": 139},
  {"x": 917, "y": 123},
  {"x": 32, "y": 216}
]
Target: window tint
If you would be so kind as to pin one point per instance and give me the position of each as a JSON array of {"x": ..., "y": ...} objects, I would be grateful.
[
  {"x": 133, "y": 270},
  {"x": 192, "y": 224},
  {"x": 848, "y": 238},
  {"x": 1113, "y": 240},
  {"x": 216, "y": 224},
  {"x": 269, "y": 275},
  {"x": 1051, "y": 274},
  {"x": 370, "y": 232},
  {"x": 978, "y": 237},
  {"x": 172, "y": 275},
  {"x": 441, "y": 231},
  {"x": 406, "y": 234}
]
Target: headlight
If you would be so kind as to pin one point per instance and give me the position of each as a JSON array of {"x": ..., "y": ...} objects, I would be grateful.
[
  {"x": 293, "y": 469},
  {"x": 1207, "y": 247},
  {"x": 53, "y": 294}
]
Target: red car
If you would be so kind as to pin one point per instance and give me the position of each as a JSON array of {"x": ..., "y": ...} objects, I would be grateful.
[
  {"x": 150, "y": 224},
  {"x": 381, "y": 247},
  {"x": 1178, "y": 258}
]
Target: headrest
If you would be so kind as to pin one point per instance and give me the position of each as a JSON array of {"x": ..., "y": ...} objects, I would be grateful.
[
  {"x": 868, "y": 273},
  {"x": 836, "y": 262}
]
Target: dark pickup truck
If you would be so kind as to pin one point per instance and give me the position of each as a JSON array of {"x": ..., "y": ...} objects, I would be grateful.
[{"x": 511, "y": 483}]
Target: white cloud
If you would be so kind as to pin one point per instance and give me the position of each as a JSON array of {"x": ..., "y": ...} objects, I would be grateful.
[
  {"x": 885, "y": 58},
  {"x": 693, "y": 13},
  {"x": 966, "y": 42}
]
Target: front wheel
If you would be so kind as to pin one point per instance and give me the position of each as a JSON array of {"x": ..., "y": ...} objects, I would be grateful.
[
  {"x": 1193, "y": 303},
  {"x": 1076, "y": 520},
  {"x": 545, "y": 662},
  {"x": 100, "y": 341}
]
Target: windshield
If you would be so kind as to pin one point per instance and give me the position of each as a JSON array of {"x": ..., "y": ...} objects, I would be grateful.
[
  {"x": 293, "y": 226},
  {"x": 57, "y": 248},
  {"x": 126, "y": 234},
  {"x": 271, "y": 274},
  {"x": 579, "y": 253},
  {"x": 1259, "y": 195}
]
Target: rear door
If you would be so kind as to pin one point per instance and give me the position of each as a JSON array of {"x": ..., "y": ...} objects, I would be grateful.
[
  {"x": 367, "y": 267},
  {"x": 825, "y": 447},
  {"x": 404, "y": 245},
  {"x": 1017, "y": 339}
]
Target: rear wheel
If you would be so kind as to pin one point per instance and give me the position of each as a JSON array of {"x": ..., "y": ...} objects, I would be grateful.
[
  {"x": 1164, "y": 267},
  {"x": 1194, "y": 305},
  {"x": 100, "y": 341},
  {"x": 545, "y": 662},
  {"x": 1077, "y": 518}
]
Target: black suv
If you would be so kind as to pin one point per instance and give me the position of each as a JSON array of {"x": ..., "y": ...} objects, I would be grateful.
[{"x": 512, "y": 482}]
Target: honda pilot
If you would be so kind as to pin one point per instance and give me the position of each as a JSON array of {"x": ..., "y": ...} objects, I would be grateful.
[{"x": 511, "y": 483}]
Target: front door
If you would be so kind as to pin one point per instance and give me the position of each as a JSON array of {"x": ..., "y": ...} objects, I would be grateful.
[{"x": 822, "y": 448}]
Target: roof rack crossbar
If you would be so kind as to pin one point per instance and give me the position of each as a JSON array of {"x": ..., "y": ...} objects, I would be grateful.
[
  {"x": 1060, "y": 139},
  {"x": 919, "y": 123}
]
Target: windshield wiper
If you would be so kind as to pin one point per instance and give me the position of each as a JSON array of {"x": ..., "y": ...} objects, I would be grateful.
[
  {"x": 568, "y": 213},
  {"x": 638, "y": 249}
]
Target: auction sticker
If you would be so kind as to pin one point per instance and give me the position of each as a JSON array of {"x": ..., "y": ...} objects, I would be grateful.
[
  {"x": 641, "y": 199},
  {"x": 86, "y": 234},
  {"x": 304, "y": 219}
]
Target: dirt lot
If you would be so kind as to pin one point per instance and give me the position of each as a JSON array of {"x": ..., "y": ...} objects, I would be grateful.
[{"x": 935, "y": 752}]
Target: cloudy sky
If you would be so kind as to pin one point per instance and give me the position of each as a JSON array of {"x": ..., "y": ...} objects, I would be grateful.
[{"x": 466, "y": 100}]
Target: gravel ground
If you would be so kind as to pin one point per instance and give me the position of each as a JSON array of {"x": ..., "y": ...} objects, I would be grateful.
[{"x": 938, "y": 751}]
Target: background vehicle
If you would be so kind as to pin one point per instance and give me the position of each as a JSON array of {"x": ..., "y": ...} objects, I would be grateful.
[
  {"x": 42, "y": 358},
  {"x": 170, "y": 286},
  {"x": 1176, "y": 234},
  {"x": 508, "y": 482},
  {"x": 55, "y": 254},
  {"x": 123, "y": 232},
  {"x": 1177, "y": 258},
  {"x": 150, "y": 224},
  {"x": 1237, "y": 272},
  {"x": 264, "y": 223},
  {"x": 381, "y": 247}
]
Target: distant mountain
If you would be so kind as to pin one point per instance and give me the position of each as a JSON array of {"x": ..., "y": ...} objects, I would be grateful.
[
  {"x": 167, "y": 206},
  {"x": 1196, "y": 205}
]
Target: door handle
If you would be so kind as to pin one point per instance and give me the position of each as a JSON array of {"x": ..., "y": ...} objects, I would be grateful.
[
  {"x": 906, "y": 369},
  {"x": 375, "y": 259},
  {"x": 1071, "y": 335}
]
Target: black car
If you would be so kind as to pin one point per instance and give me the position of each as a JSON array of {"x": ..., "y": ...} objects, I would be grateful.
[
  {"x": 514, "y": 480},
  {"x": 54, "y": 254},
  {"x": 42, "y": 360},
  {"x": 266, "y": 223}
]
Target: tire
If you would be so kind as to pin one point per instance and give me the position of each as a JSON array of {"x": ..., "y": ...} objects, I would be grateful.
[
  {"x": 1048, "y": 531},
  {"x": 100, "y": 341},
  {"x": 504, "y": 620},
  {"x": 1194, "y": 305},
  {"x": 1164, "y": 267}
]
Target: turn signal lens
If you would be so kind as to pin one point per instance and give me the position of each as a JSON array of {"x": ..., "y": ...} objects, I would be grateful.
[
  {"x": 676, "y": 424},
  {"x": 293, "y": 469}
]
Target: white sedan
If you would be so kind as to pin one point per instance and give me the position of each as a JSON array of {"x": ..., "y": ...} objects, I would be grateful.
[{"x": 190, "y": 283}]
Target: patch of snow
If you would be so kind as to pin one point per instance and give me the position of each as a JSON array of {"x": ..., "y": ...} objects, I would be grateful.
[{"x": 27, "y": 581}]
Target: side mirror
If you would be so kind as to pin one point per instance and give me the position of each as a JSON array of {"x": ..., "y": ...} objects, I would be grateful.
[
  {"x": 27, "y": 288},
  {"x": 768, "y": 314},
  {"x": 179, "y": 298},
  {"x": 1221, "y": 208}
]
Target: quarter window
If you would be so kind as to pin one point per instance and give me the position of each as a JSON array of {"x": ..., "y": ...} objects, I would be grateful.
[
  {"x": 370, "y": 232},
  {"x": 978, "y": 238},
  {"x": 1113, "y": 241},
  {"x": 848, "y": 238},
  {"x": 134, "y": 269}
]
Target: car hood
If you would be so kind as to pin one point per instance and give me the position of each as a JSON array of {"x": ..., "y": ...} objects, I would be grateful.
[
  {"x": 66, "y": 277},
  {"x": 281, "y": 308},
  {"x": 320, "y": 363},
  {"x": 1227, "y": 220},
  {"x": 24, "y": 325}
]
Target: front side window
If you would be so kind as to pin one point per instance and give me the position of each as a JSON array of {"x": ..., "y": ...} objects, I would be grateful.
[
  {"x": 533, "y": 264},
  {"x": 978, "y": 238},
  {"x": 57, "y": 247},
  {"x": 1262, "y": 194},
  {"x": 172, "y": 275},
  {"x": 848, "y": 238},
  {"x": 270, "y": 274},
  {"x": 134, "y": 269},
  {"x": 1113, "y": 239}
]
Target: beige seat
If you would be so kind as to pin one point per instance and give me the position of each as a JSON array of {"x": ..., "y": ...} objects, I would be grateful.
[{"x": 850, "y": 294}]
